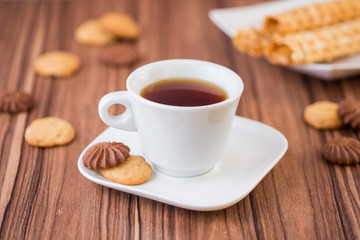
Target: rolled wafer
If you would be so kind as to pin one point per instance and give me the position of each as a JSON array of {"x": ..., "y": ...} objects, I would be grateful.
[
  {"x": 312, "y": 16},
  {"x": 319, "y": 45},
  {"x": 250, "y": 41}
]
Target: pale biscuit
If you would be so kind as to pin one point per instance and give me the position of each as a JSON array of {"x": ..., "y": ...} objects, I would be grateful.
[
  {"x": 135, "y": 170},
  {"x": 91, "y": 33},
  {"x": 323, "y": 115},
  {"x": 57, "y": 64},
  {"x": 121, "y": 25},
  {"x": 48, "y": 132}
]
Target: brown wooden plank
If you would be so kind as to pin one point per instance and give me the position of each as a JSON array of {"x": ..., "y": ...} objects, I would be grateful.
[{"x": 43, "y": 196}]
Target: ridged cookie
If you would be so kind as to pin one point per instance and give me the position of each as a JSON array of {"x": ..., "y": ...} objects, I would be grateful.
[{"x": 15, "y": 101}]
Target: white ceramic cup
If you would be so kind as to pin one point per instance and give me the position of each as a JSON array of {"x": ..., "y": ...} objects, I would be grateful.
[{"x": 177, "y": 141}]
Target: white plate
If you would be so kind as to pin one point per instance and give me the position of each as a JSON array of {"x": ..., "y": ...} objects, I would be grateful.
[
  {"x": 229, "y": 20},
  {"x": 254, "y": 149}
]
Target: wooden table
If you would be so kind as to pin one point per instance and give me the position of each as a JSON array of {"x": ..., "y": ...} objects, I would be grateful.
[{"x": 43, "y": 195}]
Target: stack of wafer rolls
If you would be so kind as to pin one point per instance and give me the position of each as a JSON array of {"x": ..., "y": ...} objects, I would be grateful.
[
  {"x": 312, "y": 16},
  {"x": 319, "y": 45},
  {"x": 314, "y": 33}
]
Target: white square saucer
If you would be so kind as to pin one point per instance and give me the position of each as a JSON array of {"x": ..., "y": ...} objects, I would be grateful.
[{"x": 253, "y": 150}]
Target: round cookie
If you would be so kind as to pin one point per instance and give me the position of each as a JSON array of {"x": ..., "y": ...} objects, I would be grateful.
[
  {"x": 323, "y": 115},
  {"x": 57, "y": 64},
  {"x": 91, "y": 33},
  {"x": 48, "y": 132},
  {"x": 121, "y": 25},
  {"x": 135, "y": 170}
]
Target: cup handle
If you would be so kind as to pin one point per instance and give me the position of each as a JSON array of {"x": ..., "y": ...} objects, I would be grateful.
[{"x": 124, "y": 121}]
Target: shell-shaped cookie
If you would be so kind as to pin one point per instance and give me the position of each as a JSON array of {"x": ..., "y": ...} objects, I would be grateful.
[
  {"x": 105, "y": 155},
  {"x": 349, "y": 111},
  {"x": 16, "y": 101},
  {"x": 342, "y": 150}
]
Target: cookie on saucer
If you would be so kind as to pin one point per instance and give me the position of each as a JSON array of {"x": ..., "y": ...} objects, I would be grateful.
[
  {"x": 105, "y": 155},
  {"x": 134, "y": 171}
]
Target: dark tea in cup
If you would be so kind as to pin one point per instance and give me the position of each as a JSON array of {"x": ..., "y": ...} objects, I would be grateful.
[{"x": 184, "y": 92}]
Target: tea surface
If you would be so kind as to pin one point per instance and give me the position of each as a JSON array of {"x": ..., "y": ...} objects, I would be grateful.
[{"x": 184, "y": 92}]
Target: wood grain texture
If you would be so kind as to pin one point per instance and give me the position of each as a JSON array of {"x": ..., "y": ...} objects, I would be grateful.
[{"x": 43, "y": 196}]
